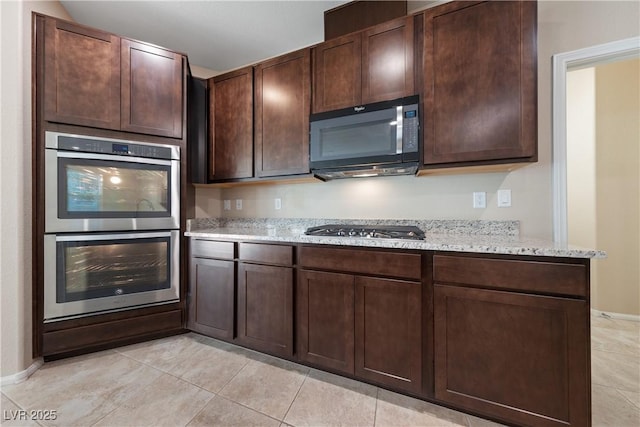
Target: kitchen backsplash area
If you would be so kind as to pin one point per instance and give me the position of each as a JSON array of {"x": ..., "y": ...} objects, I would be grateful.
[{"x": 441, "y": 197}]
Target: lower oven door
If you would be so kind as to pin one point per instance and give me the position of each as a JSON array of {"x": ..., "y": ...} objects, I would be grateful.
[{"x": 88, "y": 274}]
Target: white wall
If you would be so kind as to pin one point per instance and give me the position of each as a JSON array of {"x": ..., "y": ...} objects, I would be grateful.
[
  {"x": 562, "y": 27},
  {"x": 15, "y": 181}
]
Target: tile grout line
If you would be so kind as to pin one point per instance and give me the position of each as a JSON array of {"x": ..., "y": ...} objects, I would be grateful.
[
  {"x": 296, "y": 396},
  {"x": 234, "y": 376},
  {"x": 214, "y": 395},
  {"x": 375, "y": 411},
  {"x": 149, "y": 365},
  {"x": 249, "y": 408},
  {"x": 174, "y": 376},
  {"x": 19, "y": 406},
  {"x": 106, "y": 415},
  {"x": 620, "y": 392}
]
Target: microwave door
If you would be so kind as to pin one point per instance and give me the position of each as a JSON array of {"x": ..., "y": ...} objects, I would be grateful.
[{"x": 369, "y": 137}]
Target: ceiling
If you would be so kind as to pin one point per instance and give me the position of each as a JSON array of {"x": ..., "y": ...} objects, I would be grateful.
[{"x": 218, "y": 35}]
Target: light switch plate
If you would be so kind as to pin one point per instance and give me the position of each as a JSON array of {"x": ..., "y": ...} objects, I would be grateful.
[
  {"x": 479, "y": 199},
  {"x": 227, "y": 205},
  {"x": 504, "y": 198},
  {"x": 238, "y": 204},
  {"x": 277, "y": 203}
]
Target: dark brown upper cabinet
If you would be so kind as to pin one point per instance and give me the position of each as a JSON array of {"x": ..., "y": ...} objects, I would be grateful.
[
  {"x": 387, "y": 61},
  {"x": 479, "y": 82},
  {"x": 231, "y": 125},
  {"x": 282, "y": 98},
  {"x": 369, "y": 66},
  {"x": 81, "y": 75},
  {"x": 96, "y": 79},
  {"x": 152, "y": 88},
  {"x": 336, "y": 73}
]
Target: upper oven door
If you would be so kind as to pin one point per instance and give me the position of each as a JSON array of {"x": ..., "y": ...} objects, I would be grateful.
[{"x": 103, "y": 192}]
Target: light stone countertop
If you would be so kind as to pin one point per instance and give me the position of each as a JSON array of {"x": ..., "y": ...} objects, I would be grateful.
[{"x": 507, "y": 244}]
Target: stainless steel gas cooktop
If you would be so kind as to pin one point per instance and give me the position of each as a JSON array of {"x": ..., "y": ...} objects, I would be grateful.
[{"x": 367, "y": 231}]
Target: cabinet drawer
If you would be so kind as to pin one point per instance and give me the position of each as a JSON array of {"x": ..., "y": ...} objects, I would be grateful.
[
  {"x": 265, "y": 253},
  {"x": 533, "y": 276},
  {"x": 405, "y": 265},
  {"x": 212, "y": 249}
]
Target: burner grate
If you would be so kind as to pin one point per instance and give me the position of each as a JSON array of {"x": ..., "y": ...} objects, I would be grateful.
[{"x": 367, "y": 231}]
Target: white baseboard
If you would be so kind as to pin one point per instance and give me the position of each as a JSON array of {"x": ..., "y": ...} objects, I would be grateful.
[
  {"x": 621, "y": 316},
  {"x": 22, "y": 375}
]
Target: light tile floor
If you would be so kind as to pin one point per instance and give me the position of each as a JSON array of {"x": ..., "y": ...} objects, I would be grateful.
[{"x": 196, "y": 381}]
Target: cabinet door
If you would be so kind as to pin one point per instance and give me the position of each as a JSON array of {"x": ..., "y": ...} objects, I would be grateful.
[
  {"x": 231, "y": 125},
  {"x": 282, "y": 88},
  {"x": 81, "y": 75},
  {"x": 387, "y": 61},
  {"x": 325, "y": 319},
  {"x": 521, "y": 358},
  {"x": 388, "y": 332},
  {"x": 152, "y": 89},
  {"x": 480, "y": 82},
  {"x": 211, "y": 302},
  {"x": 265, "y": 308},
  {"x": 337, "y": 80}
]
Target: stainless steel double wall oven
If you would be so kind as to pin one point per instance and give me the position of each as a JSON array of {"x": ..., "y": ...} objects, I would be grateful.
[{"x": 112, "y": 219}]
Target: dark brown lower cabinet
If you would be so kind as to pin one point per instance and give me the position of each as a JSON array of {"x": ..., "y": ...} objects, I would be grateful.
[
  {"x": 265, "y": 308},
  {"x": 502, "y": 337},
  {"x": 518, "y": 357},
  {"x": 211, "y": 299},
  {"x": 388, "y": 320},
  {"x": 325, "y": 319},
  {"x": 362, "y": 326}
]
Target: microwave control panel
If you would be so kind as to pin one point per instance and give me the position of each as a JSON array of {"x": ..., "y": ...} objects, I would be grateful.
[{"x": 410, "y": 126}]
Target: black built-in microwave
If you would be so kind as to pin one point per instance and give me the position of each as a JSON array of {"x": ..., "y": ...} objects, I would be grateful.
[{"x": 367, "y": 140}]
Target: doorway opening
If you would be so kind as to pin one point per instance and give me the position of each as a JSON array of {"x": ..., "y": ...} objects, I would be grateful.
[{"x": 597, "y": 164}]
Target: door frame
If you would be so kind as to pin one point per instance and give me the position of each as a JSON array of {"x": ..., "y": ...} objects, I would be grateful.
[{"x": 563, "y": 62}]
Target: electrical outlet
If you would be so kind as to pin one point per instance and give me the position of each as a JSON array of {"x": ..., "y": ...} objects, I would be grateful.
[
  {"x": 504, "y": 198},
  {"x": 277, "y": 203},
  {"x": 238, "y": 204},
  {"x": 227, "y": 205},
  {"x": 479, "y": 199}
]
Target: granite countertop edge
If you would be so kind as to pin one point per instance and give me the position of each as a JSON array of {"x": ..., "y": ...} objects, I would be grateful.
[{"x": 457, "y": 242}]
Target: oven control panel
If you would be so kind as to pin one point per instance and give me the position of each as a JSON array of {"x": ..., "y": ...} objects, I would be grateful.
[{"x": 116, "y": 147}]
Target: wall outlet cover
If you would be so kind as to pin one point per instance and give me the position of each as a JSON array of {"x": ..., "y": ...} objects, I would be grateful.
[
  {"x": 504, "y": 198},
  {"x": 479, "y": 199},
  {"x": 227, "y": 205},
  {"x": 238, "y": 204},
  {"x": 277, "y": 203}
]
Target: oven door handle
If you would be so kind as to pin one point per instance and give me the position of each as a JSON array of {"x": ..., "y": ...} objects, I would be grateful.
[
  {"x": 112, "y": 158},
  {"x": 111, "y": 236}
]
